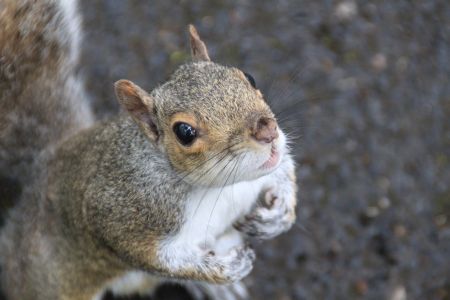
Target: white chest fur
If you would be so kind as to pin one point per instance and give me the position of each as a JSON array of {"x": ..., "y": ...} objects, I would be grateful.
[{"x": 211, "y": 212}]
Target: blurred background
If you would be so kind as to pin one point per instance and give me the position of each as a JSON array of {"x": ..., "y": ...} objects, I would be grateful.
[{"x": 363, "y": 89}]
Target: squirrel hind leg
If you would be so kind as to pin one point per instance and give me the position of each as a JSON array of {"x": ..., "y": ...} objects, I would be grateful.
[
  {"x": 140, "y": 284},
  {"x": 134, "y": 283},
  {"x": 203, "y": 290}
]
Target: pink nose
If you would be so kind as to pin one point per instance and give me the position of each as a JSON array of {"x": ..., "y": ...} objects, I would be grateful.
[{"x": 266, "y": 130}]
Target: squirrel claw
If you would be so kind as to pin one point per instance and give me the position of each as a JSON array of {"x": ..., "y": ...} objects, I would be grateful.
[
  {"x": 269, "y": 219},
  {"x": 236, "y": 265}
]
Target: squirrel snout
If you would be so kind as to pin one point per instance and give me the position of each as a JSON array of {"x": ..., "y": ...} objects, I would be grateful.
[{"x": 265, "y": 130}]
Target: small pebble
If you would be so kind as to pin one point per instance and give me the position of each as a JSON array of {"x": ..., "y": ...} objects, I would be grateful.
[
  {"x": 372, "y": 211},
  {"x": 384, "y": 203},
  {"x": 399, "y": 293},
  {"x": 440, "y": 220},
  {"x": 346, "y": 10},
  {"x": 400, "y": 230},
  {"x": 361, "y": 287},
  {"x": 378, "y": 62}
]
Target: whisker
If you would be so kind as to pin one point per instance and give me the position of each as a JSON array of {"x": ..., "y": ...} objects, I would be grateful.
[
  {"x": 206, "y": 161},
  {"x": 211, "y": 181},
  {"x": 200, "y": 176},
  {"x": 217, "y": 199},
  {"x": 234, "y": 180},
  {"x": 293, "y": 77}
]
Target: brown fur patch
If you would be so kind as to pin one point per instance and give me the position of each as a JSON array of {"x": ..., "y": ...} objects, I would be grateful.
[{"x": 200, "y": 144}]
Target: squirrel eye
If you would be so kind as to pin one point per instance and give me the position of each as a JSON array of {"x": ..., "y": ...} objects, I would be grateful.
[
  {"x": 250, "y": 79},
  {"x": 185, "y": 133}
]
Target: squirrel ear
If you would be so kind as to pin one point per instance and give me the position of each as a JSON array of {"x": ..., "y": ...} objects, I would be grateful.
[
  {"x": 139, "y": 104},
  {"x": 198, "y": 47}
]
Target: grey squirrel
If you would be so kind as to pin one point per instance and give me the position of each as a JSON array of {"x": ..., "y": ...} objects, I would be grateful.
[{"x": 172, "y": 189}]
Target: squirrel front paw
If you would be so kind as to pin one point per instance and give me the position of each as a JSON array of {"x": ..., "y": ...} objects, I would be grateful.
[
  {"x": 272, "y": 216},
  {"x": 233, "y": 266}
]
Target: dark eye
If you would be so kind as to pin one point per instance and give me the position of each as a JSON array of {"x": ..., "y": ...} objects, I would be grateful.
[
  {"x": 250, "y": 79},
  {"x": 185, "y": 133}
]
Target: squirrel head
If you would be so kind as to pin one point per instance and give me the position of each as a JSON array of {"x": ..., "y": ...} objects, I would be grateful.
[{"x": 210, "y": 120}]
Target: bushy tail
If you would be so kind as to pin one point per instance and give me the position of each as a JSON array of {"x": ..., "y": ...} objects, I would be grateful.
[{"x": 42, "y": 99}]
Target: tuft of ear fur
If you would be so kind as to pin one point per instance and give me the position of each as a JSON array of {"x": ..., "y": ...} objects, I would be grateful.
[
  {"x": 198, "y": 47},
  {"x": 139, "y": 104}
]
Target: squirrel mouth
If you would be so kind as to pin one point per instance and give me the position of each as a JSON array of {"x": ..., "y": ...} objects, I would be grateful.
[{"x": 273, "y": 159}]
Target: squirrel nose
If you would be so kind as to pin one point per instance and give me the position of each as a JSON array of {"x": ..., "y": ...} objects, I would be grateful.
[{"x": 266, "y": 130}]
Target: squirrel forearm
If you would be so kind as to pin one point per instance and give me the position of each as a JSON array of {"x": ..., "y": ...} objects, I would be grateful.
[{"x": 187, "y": 261}]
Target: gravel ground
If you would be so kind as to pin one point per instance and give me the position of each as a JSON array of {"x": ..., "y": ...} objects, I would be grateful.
[{"x": 364, "y": 90}]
